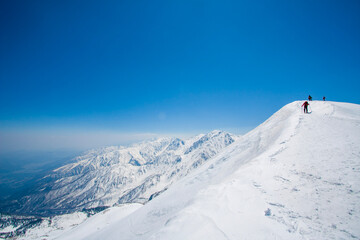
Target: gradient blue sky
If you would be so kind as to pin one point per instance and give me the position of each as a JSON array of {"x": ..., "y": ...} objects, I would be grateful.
[{"x": 71, "y": 71}]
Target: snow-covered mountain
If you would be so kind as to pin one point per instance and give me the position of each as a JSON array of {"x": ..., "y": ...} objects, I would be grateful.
[
  {"x": 117, "y": 175},
  {"x": 296, "y": 176}
]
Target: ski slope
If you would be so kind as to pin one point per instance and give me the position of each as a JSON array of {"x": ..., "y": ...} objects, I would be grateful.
[{"x": 296, "y": 176}]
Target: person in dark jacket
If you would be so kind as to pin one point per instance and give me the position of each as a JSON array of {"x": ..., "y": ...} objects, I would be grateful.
[
  {"x": 305, "y": 105},
  {"x": 310, "y": 98},
  {"x": 323, "y": 98}
]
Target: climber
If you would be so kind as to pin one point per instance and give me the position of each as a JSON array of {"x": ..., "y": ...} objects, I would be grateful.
[{"x": 305, "y": 105}]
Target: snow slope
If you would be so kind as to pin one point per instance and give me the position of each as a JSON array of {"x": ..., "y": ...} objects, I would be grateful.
[
  {"x": 64, "y": 224},
  {"x": 296, "y": 176}
]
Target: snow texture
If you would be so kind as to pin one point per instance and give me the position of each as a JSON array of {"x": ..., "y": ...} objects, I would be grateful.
[{"x": 296, "y": 176}]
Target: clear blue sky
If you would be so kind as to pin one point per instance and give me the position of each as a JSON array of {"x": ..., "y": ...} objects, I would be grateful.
[{"x": 163, "y": 67}]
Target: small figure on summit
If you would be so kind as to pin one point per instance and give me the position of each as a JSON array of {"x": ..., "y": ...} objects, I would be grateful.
[
  {"x": 310, "y": 98},
  {"x": 305, "y": 105},
  {"x": 323, "y": 98}
]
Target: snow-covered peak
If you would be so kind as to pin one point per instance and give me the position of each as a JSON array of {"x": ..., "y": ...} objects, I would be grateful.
[
  {"x": 294, "y": 177},
  {"x": 117, "y": 175}
]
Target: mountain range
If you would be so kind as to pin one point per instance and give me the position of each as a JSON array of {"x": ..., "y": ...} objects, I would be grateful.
[
  {"x": 118, "y": 175},
  {"x": 295, "y": 176}
]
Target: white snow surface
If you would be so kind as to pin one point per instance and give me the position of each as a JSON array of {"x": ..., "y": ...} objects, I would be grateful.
[
  {"x": 53, "y": 227},
  {"x": 65, "y": 224},
  {"x": 296, "y": 176}
]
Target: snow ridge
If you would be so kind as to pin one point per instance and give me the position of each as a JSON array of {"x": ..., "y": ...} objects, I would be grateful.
[{"x": 296, "y": 176}]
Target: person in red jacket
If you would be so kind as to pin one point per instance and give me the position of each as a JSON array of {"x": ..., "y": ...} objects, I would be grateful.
[{"x": 305, "y": 105}]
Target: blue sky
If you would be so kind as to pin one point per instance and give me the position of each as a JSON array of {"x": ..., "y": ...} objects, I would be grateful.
[{"x": 127, "y": 70}]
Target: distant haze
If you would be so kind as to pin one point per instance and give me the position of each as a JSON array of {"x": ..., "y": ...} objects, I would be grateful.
[
  {"x": 77, "y": 140},
  {"x": 51, "y": 140}
]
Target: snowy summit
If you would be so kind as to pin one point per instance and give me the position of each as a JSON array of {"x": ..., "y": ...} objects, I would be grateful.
[{"x": 296, "y": 176}]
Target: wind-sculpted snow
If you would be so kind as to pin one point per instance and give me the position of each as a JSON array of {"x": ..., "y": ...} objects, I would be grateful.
[
  {"x": 296, "y": 176},
  {"x": 117, "y": 175}
]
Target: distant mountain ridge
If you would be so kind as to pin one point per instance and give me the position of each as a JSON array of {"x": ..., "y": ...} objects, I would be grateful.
[{"x": 116, "y": 175}]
